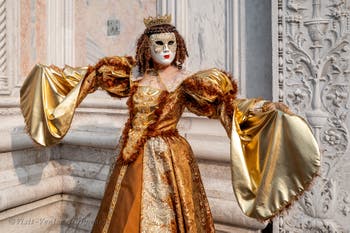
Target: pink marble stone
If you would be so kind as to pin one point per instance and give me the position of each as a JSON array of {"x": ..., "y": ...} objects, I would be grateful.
[
  {"x": 33, "y": 32},
  {"x": 91, "y": 27}
]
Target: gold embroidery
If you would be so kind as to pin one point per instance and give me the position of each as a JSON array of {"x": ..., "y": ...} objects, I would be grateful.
[
  {"x": 145, "y": 103},
  {"x": 159, "y": 20},
  {"x": 157, "y": 213}
]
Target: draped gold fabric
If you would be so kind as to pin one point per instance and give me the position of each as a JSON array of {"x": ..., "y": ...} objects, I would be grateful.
[
  {"x": 274, "y": 155},
  {"x": 49, "y": 97},
  {"x": 274, "y": 159}
]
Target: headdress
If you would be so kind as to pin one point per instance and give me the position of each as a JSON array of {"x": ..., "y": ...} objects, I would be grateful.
[{"x": 159, "y": 20}]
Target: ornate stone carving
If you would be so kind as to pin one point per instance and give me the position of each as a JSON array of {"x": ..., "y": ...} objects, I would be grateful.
[
  {"x": 3, "y": 49},
  {"x": 314, "y": 79}
]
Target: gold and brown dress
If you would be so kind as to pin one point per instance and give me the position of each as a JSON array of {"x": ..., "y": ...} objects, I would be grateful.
[{"x": 155, "y": 185}]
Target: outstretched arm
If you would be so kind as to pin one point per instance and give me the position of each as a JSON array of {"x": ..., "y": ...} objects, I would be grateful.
[
  {"x": 274, "y": 156},
  {"x": 112, "y": 74},
  {"x": 50, "y": 95}
]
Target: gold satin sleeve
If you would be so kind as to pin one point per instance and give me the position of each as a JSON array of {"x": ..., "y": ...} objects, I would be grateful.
[
  {"x": 48, "y": 99},
  {"x": 50, "y": 95},
  {"x": 274, "y": 158}
]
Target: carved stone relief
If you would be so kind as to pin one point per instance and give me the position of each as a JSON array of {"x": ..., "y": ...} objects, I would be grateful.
[
  {"x": 313, "y": 62},
  {"x": 3, "y": 48},
  {"x": 9, "y": 46}
]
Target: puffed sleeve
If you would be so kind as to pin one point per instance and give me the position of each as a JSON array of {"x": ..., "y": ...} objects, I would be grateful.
[
  {"x": 113, "y": 75},
  {"x": 274, "y": 155},
  {"x": 211, "y": 93},
  {"x": 50, "y": 95}
]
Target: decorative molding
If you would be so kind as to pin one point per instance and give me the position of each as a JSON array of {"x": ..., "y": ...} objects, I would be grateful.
[
  {"x": 236, "y": 30},
  {"x": 277, "y": 49},
  {"x": 14, "y": 42},
  {"x": 74, "y": 212},
  {"x": 60, "y": 32},
  {"x": 4, "y": 85},
  {"x": 312, "y": 75},
  {"x": 9, "y": 41}
]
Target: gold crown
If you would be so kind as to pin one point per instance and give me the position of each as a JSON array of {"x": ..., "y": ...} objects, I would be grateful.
[{"x": 159, "y": 20}]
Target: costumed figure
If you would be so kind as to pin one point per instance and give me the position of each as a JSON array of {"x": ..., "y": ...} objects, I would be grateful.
[{"x": 155, "y": 185}]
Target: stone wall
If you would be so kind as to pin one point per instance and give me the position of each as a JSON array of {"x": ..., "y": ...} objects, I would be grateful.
[{"x": 58, "y": 189}]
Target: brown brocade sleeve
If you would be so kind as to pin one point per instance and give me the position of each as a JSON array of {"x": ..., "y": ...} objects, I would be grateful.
[
  {"x": 113, "y": 75},
  {"x": 211, "y": 93}
]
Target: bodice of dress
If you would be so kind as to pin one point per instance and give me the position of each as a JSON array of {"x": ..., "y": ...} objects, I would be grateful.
[
  {"x": 163, "y": 103},
  {"x": 146, "y": 101},
  {"x": 155, "y": 112},
  {"x": 171, "y": 107}
]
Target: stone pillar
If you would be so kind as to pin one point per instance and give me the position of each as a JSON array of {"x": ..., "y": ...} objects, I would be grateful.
[{"x": 311, "y": 74}]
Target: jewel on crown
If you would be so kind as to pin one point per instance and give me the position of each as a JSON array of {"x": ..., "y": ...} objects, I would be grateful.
[{"x": 159, "y": 20}]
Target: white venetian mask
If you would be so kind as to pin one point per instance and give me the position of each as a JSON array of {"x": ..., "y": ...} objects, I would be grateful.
[{"x": 163, "y": 48}]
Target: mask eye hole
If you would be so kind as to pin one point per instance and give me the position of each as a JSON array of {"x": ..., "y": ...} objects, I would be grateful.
[
  {"x": 171, "y": 42},
  {"x": 159, "y": 42}
]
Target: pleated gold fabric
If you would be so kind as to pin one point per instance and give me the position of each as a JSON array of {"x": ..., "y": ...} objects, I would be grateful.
[{"x": 274, "y": 155}]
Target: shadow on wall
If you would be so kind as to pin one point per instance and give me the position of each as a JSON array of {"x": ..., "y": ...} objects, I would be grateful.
[
  {"x": 32, "y": 166},
  {"x": 54, "y": 189},
  {"x": 27, "y": 164}
]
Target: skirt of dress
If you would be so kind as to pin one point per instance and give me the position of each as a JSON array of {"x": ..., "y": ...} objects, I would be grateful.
[{"x": 161, "y": 191}]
